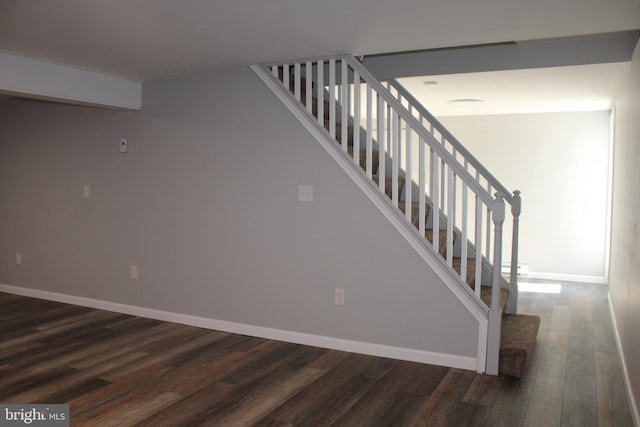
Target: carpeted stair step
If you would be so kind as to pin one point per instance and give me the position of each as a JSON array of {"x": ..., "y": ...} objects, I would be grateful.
[
  {"x": 375, "y": 158},
  {"x": 388, "y": 183},
  {"x": 485, "y": 296},
  {"x": 314, "y": 109},
  {"x": 519, "y": 332},
  {"x": 442, "y": 241},
  {"x": 303, "y": 89},
  {"x": 415, "y": 212},
  {"x": 338, "y": 129},
  {"x": 471, "y": 269}
]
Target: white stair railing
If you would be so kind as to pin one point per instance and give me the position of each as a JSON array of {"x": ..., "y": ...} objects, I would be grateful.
[
  {"x": 475, "y": 168},
  {"x": 451, "y": 184}
]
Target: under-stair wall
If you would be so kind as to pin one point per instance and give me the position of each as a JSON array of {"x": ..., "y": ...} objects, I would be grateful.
[
  {"x": 447, "y": 199},
  {"x": 205, "y": 205}
]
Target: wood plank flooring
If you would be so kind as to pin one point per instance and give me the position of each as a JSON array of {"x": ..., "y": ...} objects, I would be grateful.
[{"x": 121, "y": 370}]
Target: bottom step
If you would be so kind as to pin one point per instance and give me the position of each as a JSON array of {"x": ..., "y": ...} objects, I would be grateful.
[
  {"x": 485, "y": 296},
  {"x": 519, "y": 332}
]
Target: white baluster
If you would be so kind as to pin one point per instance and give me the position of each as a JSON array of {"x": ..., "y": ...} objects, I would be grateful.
[
  {"x": 435, "y": 175},
  {"x": 450, "y": 215},
  {"x": 356, "y": 117},
  {"x": 478, "y": 245},
  {"x": 394, "y": 159},
  {"x": 369, "y": 132},
  {"x": 332, "y": 98},
  {"x": 308, "y": 93},
  {"x": 321, "y": 93},
  {"x": 488, "y": 228},
  {"x": 285, "y": 75},
  {"x": 443, "y": 193},
  {"x": 422, "y": 184},
  {"x": 408, "y": 187},
  {"x": 464, "y": 233},
  {"x": 398, "y": 131},
  {"x": 296, "y": 84},
  {"x": 345, "y": 105},
  {"x": 381, "y": 145}
]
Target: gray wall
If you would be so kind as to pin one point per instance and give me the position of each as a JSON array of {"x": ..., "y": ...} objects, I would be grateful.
[
  {"x": 560, "y": 162},
  {"x": 624, "y": 284},
  {"x": 205, "y": 204}
]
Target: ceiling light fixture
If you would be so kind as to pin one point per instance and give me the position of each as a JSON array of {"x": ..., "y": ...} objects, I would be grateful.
[
  {"x": 430, "y": 83},
  {"x": 465, "y": 101}
]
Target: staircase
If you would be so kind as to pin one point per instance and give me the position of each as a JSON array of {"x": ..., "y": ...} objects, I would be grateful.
[{"x": 429, "y": 179}]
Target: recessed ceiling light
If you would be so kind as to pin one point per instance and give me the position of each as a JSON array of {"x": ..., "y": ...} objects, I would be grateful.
[
  {"x": 466, "y": 100},
  {"x": 430, "y": 82}
]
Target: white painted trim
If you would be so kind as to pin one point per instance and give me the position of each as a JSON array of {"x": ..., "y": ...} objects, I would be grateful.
[
  {"x": 400, "y": 353},
  {"x": 481, "y": 366},
  {"x": 632, "y": 403},
  {"x": 609, "y": 214},
  {"x": 33, "y": 78},
  {"x": 598, "y": 280},
  {"x": 407, "y": 231}
]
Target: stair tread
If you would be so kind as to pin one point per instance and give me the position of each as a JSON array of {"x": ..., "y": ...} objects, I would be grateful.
[
  {"x": 388, "y": 183},
  {"x": 485, "y": 296},
  {"x": 338, "y": 130},
  {"x": 314, "y": 108},
  {"x": 519, "y": 333},
  {"x": 471, "y": 269},
  {"x": 442, "y": 242},
  {"x": 363, "y": 158},
  {"x": 415, "y": 211}
]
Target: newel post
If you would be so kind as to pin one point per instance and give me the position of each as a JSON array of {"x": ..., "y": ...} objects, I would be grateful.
[
  {"x": 498, "y": 221},
  {"x": 495, "y": 311},
  {"x": 516, "y": 208}
]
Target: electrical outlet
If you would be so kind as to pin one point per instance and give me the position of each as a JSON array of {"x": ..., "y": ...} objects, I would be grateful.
[
  {"x": 86, "y": 191},
  {"x": 305, "y": 193},
  {"x": 338, "y": 296},
  {"x": 124, "y": 145},
  {"x": 134, "y": 272},
  {"x": 18, "y": 258}
]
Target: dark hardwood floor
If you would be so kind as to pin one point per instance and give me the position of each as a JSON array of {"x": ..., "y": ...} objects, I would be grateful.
[{"x": 122, "y": 370}]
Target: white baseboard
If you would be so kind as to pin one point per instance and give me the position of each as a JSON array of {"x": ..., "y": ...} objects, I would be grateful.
[
  {"x": 632, "y": 403},
  {"x": 598, "y": 280},
  {"x": 400, "y": 353}
]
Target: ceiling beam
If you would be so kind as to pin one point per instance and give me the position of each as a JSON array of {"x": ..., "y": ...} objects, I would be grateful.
[
  {"x": 593, "y": 49},
  {"x": 31, "y": 78}
]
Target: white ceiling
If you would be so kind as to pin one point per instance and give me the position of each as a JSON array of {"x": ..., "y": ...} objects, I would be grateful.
[
  {"x": 554, "y": 89},
  {"x": 145, "y": 39}
]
